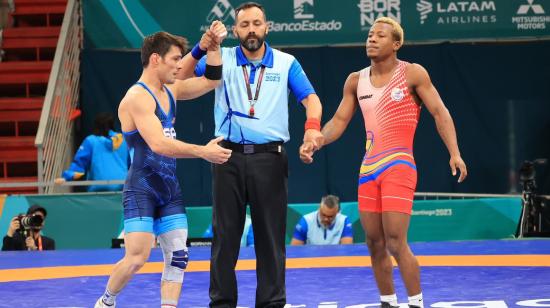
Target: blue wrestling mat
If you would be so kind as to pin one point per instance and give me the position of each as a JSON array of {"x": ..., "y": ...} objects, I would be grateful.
[{"x": 499, "y": 274}]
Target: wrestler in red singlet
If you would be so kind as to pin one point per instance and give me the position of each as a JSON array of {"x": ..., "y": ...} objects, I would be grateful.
[{"x": 387, "y": 178}]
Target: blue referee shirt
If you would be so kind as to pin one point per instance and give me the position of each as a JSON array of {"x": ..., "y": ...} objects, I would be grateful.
[
  {"x": 311, "y": 231},
  {"x": 283, "y": 73}
]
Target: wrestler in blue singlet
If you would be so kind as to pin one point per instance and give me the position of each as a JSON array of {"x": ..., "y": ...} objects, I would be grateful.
[{"x": 152, "y": 196}]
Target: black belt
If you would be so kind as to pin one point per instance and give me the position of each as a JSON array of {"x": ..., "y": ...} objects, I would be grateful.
[{"x": 253, "y": 148}]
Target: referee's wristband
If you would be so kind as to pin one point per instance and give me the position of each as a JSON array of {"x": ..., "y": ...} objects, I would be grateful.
[
  {"x": 313, "y": 124},
  {"x": 197, "y": 52}
]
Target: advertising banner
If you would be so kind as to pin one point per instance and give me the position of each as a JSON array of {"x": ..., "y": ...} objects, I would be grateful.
[
  {"x": 92, "y": 220},
  {"x": 123, "y": 24}
]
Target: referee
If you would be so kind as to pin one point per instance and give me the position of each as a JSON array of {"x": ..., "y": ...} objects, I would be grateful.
[{"x": 251, "y": 113}]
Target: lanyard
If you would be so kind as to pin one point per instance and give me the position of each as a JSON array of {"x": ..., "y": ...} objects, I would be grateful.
[
  {"x": 39, "y": 243},
  {"x": 249, "y": 90}
]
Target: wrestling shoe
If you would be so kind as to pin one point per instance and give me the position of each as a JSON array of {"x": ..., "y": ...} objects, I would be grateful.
[{"x": 101, "y": 304}]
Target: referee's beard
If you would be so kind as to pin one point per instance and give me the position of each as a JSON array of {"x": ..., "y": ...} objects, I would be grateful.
[{"x": 252, "y": 42}]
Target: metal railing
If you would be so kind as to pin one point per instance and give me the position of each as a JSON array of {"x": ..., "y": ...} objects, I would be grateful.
[
  {"x": 55, "y": 127},
  {"x": 449, "y": 196},
  {"x": 417, "y": 195},
  {"x": 64, "y": 184}
]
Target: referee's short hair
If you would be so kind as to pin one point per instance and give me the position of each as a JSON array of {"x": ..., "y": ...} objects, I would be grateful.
[{"x": 248, "y": 5}]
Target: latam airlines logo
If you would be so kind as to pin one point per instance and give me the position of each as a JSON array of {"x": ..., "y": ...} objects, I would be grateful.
[
  {"x": 457, "y": 12},
  {"x": 303, "y": 9},
  {"x": 425, "y": 8}
]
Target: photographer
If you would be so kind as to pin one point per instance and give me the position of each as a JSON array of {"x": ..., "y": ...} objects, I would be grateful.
[{"x": 24, "y": 232}]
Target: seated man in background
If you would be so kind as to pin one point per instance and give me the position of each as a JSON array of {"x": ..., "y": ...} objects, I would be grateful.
[
  {"x": 247, "y": 239},
  {"x": 326, "y": 226},
  {"x": 102, "y": 156},
  {"x": 24, "y": 232}
]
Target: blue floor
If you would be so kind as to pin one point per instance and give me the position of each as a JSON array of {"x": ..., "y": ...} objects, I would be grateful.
[{"x": 320, "y": 287}]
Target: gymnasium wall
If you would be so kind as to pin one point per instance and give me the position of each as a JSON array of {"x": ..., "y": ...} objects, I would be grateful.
[
  {"x": 83, "y": 221},
  {"x": 498, "y": 95}
]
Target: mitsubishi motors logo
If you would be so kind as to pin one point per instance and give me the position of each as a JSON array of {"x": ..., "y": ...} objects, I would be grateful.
[
  {"x": 531, "y": 17},
  {"x": 424, "y": 7},
  {"x": 524, "y": 8}
]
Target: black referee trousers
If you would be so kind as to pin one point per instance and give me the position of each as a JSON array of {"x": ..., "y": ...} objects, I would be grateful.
[{"x": 260, "y": 180}]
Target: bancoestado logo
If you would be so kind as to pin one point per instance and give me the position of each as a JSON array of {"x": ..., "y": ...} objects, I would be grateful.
[
  {"x": 304, "y": 12},
  {"x": 369, "y": 10},
  {"x": 457, "y": 12},
  {"x": 303, "y": 9},
  {"x": 530, "y": 16}
]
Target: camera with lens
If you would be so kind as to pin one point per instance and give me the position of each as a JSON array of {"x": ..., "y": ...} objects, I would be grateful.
[
  {"x": 535, "y": 214},
  {"x": 527, "y": 174},
  {"x": 31, "y": 221}
]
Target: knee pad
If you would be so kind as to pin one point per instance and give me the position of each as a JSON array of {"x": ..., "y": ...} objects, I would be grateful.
[
  {"x": 175, "y": 254},
  {"x": 180, "y": 259},
  {"x": 174, "y": 266}
]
